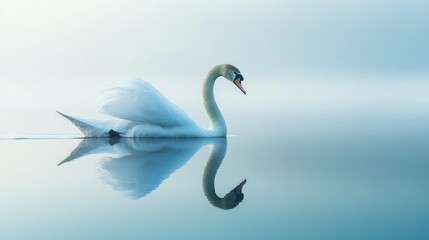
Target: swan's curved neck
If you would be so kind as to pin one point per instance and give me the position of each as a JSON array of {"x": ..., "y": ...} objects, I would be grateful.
[{"x": 217, "y": 123}]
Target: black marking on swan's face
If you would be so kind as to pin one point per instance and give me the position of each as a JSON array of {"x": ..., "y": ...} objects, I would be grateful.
[{"x": 238, "y": 76}]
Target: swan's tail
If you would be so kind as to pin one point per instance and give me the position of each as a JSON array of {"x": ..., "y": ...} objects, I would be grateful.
[{"x": 91, "y": 128}]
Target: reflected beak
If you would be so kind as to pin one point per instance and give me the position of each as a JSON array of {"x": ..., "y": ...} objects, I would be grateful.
[
  {"x": 237, "y": 83},
  {"x": 239, "y": 188}
]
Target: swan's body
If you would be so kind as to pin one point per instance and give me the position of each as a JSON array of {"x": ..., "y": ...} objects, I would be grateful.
[{"x": 141, "y": 111}]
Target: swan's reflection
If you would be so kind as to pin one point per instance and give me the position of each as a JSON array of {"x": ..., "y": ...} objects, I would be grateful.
[{"x": 137, "y": 166}]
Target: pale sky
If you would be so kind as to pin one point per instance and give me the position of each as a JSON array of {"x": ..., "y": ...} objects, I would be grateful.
[{"x": 74, "y": 38}]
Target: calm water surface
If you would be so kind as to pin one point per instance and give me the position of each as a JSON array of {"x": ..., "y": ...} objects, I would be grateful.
[{"x": 361, "y": 182}]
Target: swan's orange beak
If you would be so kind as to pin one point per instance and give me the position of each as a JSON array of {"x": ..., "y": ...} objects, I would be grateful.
[{"x": 237, "y": 83}]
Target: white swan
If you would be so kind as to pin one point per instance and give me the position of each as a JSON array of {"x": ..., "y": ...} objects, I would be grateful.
[{"x": 141, "y": 111}]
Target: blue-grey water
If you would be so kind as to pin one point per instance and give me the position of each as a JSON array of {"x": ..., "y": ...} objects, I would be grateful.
[
  {"x": 305, "y": 181},
  {"x": 320, "y": 162}
]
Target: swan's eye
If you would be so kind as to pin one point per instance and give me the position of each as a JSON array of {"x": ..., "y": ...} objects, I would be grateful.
[{"x": 238, "y": 76}]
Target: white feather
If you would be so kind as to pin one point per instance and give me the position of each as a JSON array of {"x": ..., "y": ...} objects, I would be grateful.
[{"x": 136, "y": 100}]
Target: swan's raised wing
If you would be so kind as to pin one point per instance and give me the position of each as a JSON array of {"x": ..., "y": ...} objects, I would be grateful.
[{"x": 137, "y": 100}]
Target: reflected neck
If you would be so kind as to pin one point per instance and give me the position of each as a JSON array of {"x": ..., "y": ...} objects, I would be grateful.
[
  {"x": 217, "y": 154},
  {"x": 217, "y": 122}
]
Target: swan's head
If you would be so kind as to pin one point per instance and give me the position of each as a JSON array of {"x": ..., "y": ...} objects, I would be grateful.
[{"x": 233, "y": 74}]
